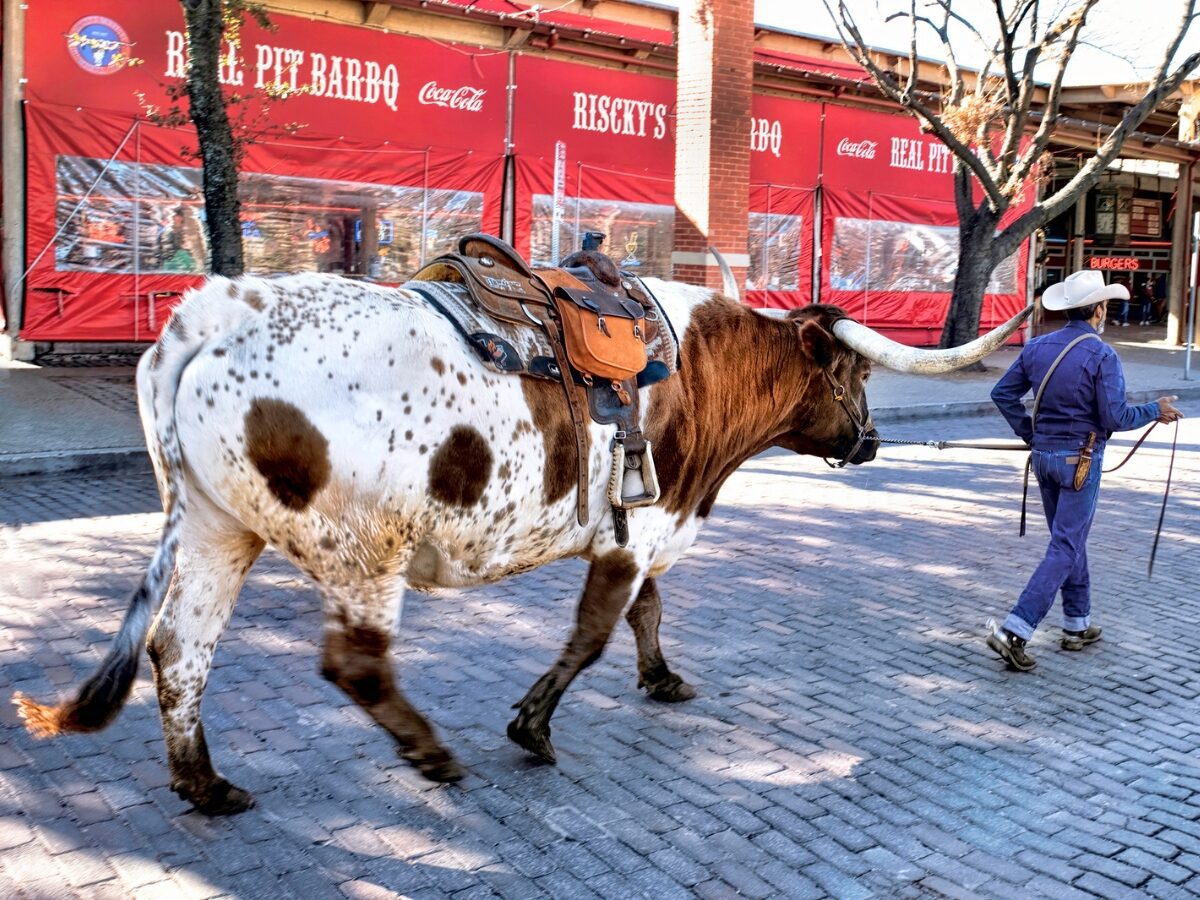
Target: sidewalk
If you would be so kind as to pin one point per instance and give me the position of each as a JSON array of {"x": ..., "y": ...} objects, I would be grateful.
[{"x": 74, "y": 419}]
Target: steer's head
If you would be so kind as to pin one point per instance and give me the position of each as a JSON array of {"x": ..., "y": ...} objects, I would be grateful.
[{"x": 831, "y": 418}]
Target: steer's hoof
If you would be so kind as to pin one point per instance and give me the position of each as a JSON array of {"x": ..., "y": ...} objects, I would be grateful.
[
  {"x": 220, "y": 798},
  {"x": 536, "y": 742},
  {"x": 438, "y": 765},
  {"x": 672, "y": 689}
]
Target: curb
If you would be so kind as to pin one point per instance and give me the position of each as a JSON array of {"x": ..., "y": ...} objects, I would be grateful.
[
  {"x": 117, "y": 461},
  {"x": 132, "y": 460},
  {"x": 894, "y": 414}
]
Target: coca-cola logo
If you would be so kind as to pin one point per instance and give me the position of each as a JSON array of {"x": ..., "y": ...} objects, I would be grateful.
[
  {"x": 858, "y": 149},
  {"x": 469, "y": 99}
]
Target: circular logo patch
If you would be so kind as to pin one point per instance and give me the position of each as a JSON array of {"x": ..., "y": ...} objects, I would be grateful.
[{"x": 98, "y": 45}]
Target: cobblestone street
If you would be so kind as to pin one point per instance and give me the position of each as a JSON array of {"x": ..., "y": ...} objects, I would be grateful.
[{"x": 852, "y": 736}]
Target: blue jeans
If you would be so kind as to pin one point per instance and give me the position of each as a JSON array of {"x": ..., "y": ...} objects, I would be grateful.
[{"x": 1069, "y": 514}]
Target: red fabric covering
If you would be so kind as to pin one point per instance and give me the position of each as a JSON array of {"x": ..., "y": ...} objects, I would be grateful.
[
  {"x": 443, "y": 128},
  {"x": 100, "y": 305},
  {"x": 619, "y": 136}
]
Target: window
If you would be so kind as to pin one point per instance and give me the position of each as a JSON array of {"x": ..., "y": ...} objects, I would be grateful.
[
  {"x": 150, "y": 219},
  {"x": 638, "y": 236},
  {"x": 774, "y": 252},
  {"x": 877, "y": 255}
]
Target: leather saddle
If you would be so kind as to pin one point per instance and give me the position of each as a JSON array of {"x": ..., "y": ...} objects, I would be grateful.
[{"x": 585, "y": 324}]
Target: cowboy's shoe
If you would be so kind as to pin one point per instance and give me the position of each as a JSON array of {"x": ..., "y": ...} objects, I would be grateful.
[
  {"x": 1077, "y": 640},
  {"x": 1011, "y": 649}
]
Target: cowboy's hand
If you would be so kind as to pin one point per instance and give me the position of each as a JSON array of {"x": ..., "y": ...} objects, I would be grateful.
[{"x": 1166, "y": 412}]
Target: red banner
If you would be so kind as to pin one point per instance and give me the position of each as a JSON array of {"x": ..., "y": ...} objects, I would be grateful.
[
  {"x": 367, "y": 168},
  {"x": 619, "y": 132},
  {"x": 123, "y": 55},
  {"x": 865, "y": 151}
]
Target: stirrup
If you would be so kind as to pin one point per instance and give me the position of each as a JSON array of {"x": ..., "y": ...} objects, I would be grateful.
[{"x": 623, "y": 491}]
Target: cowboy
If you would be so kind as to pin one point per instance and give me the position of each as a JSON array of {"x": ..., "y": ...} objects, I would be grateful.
[{"x": 1081, "y": 402}]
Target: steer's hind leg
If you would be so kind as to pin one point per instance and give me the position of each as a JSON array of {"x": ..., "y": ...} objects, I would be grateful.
[
  {"x": 359, "y": 623},
  {"x": 644, "y": 617},
  {"x": 611, "y": 581},
  {"x": 215, "y": 553}
]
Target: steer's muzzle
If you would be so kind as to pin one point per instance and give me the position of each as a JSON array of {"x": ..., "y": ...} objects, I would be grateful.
[{"x": 867, "y": 449}]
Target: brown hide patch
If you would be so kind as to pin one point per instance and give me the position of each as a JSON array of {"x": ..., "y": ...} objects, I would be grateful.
[
  {"x": 253, "y": 299},
  {"x": 356, "y": 661},
  {"x": 741, "y": 379},
  {"x": 288, "y": 450},
  {"x": 612, "y": 572},
  {"x": 461, "y": 467},
  {"x": 552, "y": 419},
  {"x": 438, "y": 366}
]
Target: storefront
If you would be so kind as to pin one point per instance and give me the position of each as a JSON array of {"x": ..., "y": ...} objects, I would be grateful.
[
  {"x": 890, "y": 228},
  {"x": 351, "y": 162},
  {"x": 365, "y": 153},
  {"x": 617, "y": 173}
]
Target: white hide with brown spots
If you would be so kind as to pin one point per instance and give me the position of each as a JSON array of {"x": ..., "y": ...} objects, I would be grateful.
[
  {"x": 351, "y": 427},
  {"x": 380, "y": 385}
]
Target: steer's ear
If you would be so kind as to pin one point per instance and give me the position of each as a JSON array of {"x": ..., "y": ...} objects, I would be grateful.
[{"x": 817, "y": 343}]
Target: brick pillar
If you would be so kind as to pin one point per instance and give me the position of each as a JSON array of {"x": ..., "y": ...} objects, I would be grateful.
[{"x": 712, "y": 138}]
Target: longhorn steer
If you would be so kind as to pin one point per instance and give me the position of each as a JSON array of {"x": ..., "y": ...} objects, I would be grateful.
[{"x": 350, "y": 427}]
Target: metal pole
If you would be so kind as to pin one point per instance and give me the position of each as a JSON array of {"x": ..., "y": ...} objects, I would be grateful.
[
  {"x": 556, "y": 218},
  {"x": 1191, "y": 315},
  {"x": 137, "y": 236},
  {"x": 12, "y": 148},
  {"x": 508, "y": 220},
  {"x": 425, "y": 208}
]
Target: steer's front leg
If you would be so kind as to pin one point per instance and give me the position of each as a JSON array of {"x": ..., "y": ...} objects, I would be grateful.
[
  {"x": 644, "y": 617},
  {"x": 611, "y": 582}
]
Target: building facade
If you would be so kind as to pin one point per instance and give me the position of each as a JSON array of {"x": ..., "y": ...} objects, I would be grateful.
[{"x": 375, "y": 134}]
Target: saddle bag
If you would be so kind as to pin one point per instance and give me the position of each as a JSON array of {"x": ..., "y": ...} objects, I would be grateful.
[{"x": 605, "y": 335}]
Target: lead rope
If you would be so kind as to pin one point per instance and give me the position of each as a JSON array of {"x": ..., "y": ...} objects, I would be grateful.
[{"x": 1163, "y": 511}]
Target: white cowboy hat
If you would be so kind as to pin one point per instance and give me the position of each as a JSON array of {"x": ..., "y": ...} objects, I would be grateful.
[{"x": 1082, "y": 289}]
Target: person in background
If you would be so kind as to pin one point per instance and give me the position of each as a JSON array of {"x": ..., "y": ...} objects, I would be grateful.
[
  {"x": 1082, "y": 404},
  {"x": 1145, "y": 297}
]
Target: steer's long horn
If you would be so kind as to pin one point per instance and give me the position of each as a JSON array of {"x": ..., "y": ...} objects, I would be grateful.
[
  {"x": 728, "y": 281},
  {"x": 875, "y": 347}
]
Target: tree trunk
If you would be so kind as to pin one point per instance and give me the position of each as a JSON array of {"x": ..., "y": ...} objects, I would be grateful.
[
  {"x": 976, "y": 262},
  {"x": 217, "y": 150}
]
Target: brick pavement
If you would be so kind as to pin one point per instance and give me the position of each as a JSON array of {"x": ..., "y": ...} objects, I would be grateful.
[{"x": 852, "y": 738}]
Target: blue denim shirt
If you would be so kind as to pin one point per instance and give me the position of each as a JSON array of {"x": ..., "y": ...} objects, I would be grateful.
[{"x": 1086, "y": 392}]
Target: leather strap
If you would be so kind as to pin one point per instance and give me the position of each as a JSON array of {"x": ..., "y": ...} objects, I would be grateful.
[
  {"x": 1133, "y": 449},
  {"x": 554, "y": 334},
  {"x": 1037, "y": 400},
  {"x": 1166, "y": 493}
]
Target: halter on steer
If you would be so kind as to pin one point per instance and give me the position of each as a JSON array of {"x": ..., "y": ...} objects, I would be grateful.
[{"x": 839, "y": 394}]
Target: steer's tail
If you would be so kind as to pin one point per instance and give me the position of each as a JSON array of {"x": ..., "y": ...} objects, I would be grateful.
[{"x": 203, "y": 315}]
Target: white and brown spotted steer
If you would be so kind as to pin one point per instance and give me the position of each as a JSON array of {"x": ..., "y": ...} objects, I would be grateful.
[{"x": 353, "y": 429}]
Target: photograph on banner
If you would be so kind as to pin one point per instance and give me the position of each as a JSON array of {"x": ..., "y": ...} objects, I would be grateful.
[
  {"x": 774, "y": 247},
  {"x": 149, "y": 219},
  {"x": 638, "y": 235},
  {"x": 878, "y": 255}
]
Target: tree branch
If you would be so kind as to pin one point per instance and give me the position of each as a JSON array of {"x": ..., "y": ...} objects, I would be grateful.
[{"x": 852, "y": 39}]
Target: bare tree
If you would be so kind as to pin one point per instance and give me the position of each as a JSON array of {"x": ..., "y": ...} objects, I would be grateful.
[
  {"x": 206, "y": 25},
  {"x": 989, "y": 122}
]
